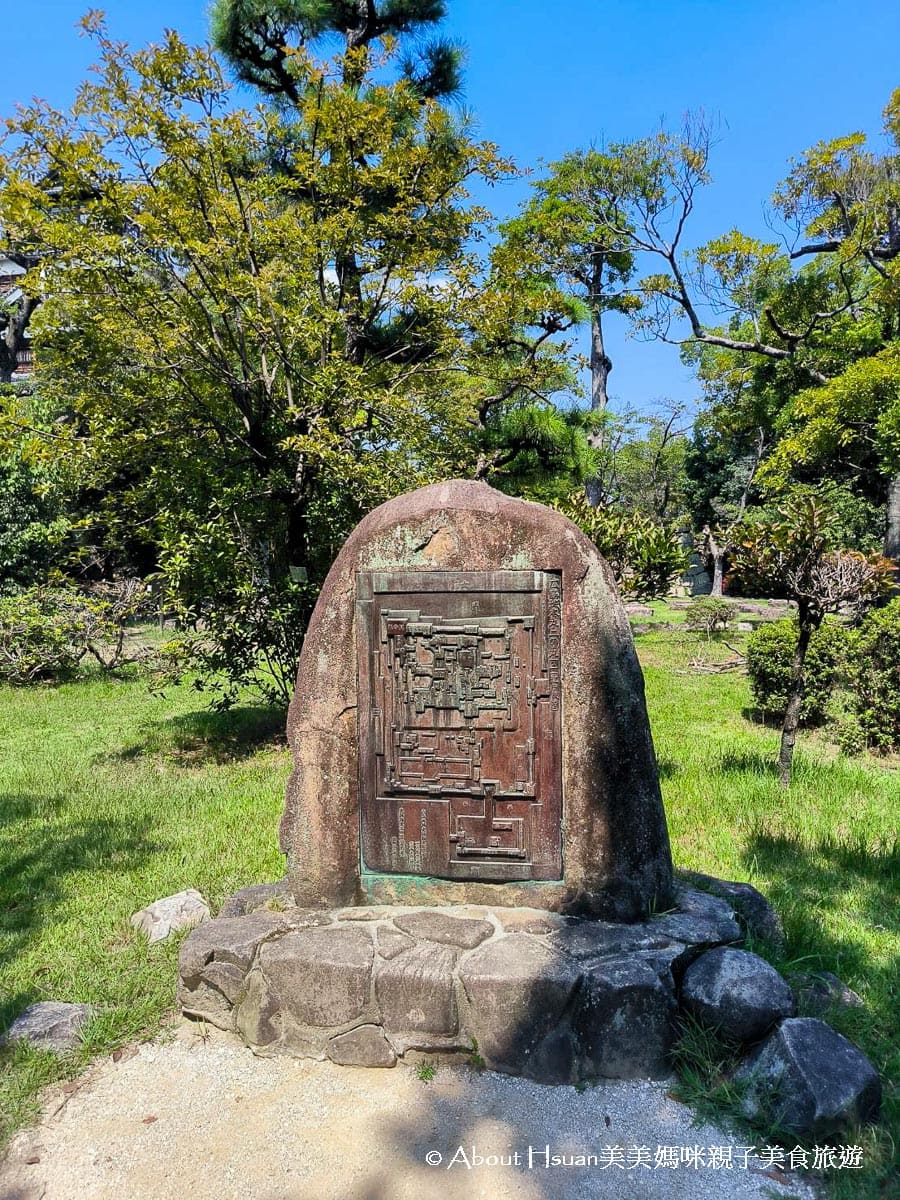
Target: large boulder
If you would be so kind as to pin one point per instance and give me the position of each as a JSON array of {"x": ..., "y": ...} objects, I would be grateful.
[
  {"x": 806, "y": 1078},
  {"x": 615, "y": 846},
  {"x": 736, "y": 992},
  {"x": 625, "y": 1020}
]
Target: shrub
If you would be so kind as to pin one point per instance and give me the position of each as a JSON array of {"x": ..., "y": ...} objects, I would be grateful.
[
  {"x": 709, "y": 615},
  {"x": 770, "y": 650},
  {"x": 644, "y": 557},
  {"x": 873, "y": 672},
  {"x": 41, "y": 636},
  {"x": 46, "y": 632}
]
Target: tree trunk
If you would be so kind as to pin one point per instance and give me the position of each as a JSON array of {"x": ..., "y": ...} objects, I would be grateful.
[
  {"x": 601, "y": 364},
  {"x": 892, "y": 530},
  {"x": 717, "y": 554},
  {"x": 794, "y": 698}
]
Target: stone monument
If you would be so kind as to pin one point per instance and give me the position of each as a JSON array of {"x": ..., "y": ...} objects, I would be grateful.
[
  {"x": 478, "y": 861},
  {"x": 469, "y": 723}
]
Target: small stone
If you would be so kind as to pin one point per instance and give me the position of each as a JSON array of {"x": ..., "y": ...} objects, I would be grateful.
[
  {"x": 50, "y": 1025},
  {"x": 415, "y": 991},
  {"x": 625, "y": 1020},
  {"x": 391, "y": 943},
  {"x": 365, "y": 1046},
  {"x": 709, "y": 922},
  {"x": 518, "y": 990},
  {"x": 529, "y": 920},
  {"x": 806, "y": 1078},
  {"x": 357, "y": 914},
  {"x": 269, "y": 896},
  {"x": 737, "y": 992},
  {"x": 744, "y": 626},
  {"x": 818, "y": 993},
  {"x": 438, "y": 927},
  {"x": 226, "y": 940},
  {"x": 161, "y": 918},
  {"x": 320, "y": 977},
  {"x": 751, "y": 908}
]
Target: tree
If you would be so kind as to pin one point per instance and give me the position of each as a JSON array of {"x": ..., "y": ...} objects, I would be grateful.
[
  {"x": 795, "y": 553},
  {"x": 260, "y": 322}
]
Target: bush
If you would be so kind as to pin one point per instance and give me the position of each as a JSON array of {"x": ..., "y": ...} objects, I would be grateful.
[
  {"x": 709, "y": 615},
  {"x": 873, "y": 672},
  {"x": 41, "y": 636},
  {"x": 644, "y": 557},
  {"x": 46, "y": 632},
  {"x": 770, "y": 650}
]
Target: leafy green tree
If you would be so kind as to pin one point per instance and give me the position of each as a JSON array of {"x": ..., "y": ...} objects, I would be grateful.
[
  {"x": 244, "y": 359},
  {"x": 796, "y": 553}
]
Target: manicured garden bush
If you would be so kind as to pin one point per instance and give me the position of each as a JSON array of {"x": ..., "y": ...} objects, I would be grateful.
[
  {"x": 770, "y": 650},
  {"x": 873, "y": 676}
]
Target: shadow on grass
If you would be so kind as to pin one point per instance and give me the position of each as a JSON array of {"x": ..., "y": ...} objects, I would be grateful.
[
  {"x": 34, "y": 868},
  {"x": 814, "y": 887},
  {"x": 748, "y": 762},
  {"x": 206, "y": 736}
]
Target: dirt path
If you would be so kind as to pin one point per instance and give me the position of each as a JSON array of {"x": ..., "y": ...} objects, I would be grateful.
[{"x": 197, "y": 1119}]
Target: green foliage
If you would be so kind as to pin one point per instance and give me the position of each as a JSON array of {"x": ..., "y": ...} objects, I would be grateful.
[
  {"x": 258, "y": 324},
  {"x": 709, "y": 615},
  {"x": 793, "y": 554},
  {"x": 873, "y": 673},
  {"x": 46, "y": 632},
  {"x": 645, "y": 557},
  {"x": 770, "y": 651},
  {"x": 42, "y": 636}
]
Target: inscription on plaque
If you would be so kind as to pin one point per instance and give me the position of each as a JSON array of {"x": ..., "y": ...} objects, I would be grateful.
[{"x": 460, "y": 723}]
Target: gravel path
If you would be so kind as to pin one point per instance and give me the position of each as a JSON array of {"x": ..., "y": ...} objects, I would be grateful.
[{"x": 205, "y": 1120}]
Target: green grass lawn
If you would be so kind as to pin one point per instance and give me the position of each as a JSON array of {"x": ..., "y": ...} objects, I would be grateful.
[{"x": 111, "y": 797}]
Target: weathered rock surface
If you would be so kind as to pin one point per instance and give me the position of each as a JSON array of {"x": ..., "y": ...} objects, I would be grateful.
[
  {"x": 320, "y": 977},
  {"x": 625, "y": 1020},
  {"x": 557, "y": 998},
  {"x": 272, "y": 896},
  {"x": 518, "y": 991},
  {"x": 181, "y": 911},
  {"x": 50, "y": 1025},
  {"x": 751, "y": 908},
  {"x": 809, "y": 1079},
  {"x": 437, "y": 927},
  {"x": 818, "y": 993},
  {"x": 364, "y": 1046},
  {"x": 415, "y": 991},
  {"x": 616, "y": 856},
  {"x": 736, "y": 992}
]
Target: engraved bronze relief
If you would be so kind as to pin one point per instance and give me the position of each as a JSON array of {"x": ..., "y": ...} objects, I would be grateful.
[{"x": 460, "y": 723}]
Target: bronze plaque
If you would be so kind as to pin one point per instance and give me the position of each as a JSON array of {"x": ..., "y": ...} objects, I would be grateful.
[{"x": 460, "y": 737}]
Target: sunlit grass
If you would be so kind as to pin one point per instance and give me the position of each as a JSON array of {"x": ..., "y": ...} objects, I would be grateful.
[{"x": 113, "y": 797}]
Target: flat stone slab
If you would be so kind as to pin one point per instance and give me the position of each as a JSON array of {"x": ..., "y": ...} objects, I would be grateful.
[
  {"x": 518, "y": 991},
  {"x": 163, "y": 917},
  {"x": 437, "y": 927},
  {"x": 364, "y": 1046},
  {"x": 809, "y": 1079},
  {"x": 736, "y": 992},
  {"x": 50, "y": 1025}
]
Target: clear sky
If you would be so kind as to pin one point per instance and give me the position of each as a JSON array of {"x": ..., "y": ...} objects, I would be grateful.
[{"x": 544, "y": 78}]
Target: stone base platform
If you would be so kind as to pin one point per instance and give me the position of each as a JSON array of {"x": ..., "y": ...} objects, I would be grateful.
[{"x": 526, "y": 992}]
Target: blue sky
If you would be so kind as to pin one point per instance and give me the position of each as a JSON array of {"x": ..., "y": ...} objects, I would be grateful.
[{"x": 546, "y": 78}]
